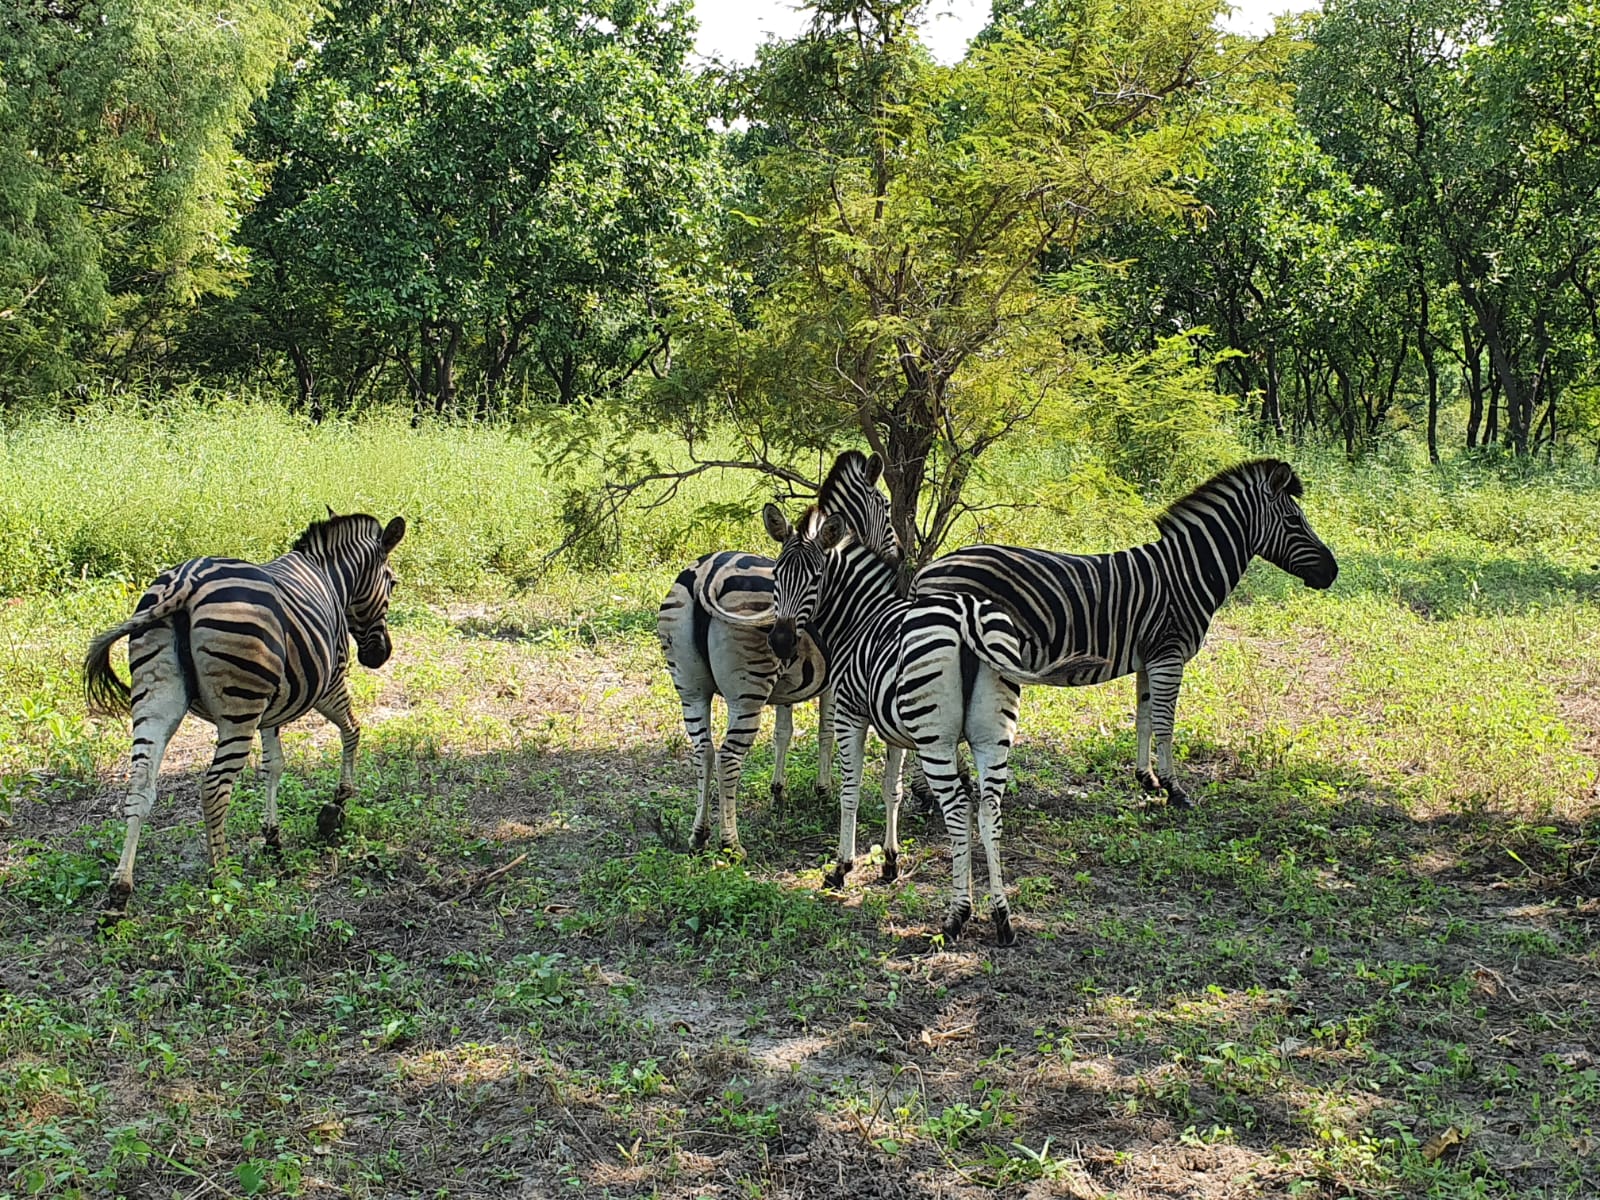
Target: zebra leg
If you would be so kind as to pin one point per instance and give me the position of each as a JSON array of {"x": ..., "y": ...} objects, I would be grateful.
[
  {"x": 336, "y": 707},
  {"x": 825, "y": 740},
  {"x": 1141, "y": 723},
  {"x": 782, "y": 732},
  {"x": 892, "y": 775},
  {"x": 955, "y": 801},
  {"x": 744, "y": 719},
  {"x": 921, "y": 793},
  {"x": 234, "y": 740},
  {"x": 697, "y": 721},
  {"x": 156, "y": 716},
  {"x": 1164, "y": 681},
  {"x": 993, "y": 770},
  {"x": 852, "y": 750},
  {"x": 272, "y": 767}
]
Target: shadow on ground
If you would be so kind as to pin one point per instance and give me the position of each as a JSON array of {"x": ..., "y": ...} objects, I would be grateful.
[{"x": 509, "y": 979}]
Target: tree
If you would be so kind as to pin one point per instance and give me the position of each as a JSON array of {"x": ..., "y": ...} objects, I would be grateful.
[
  {"x": 483, "y": 188},
  {"x": 908, "y": 230},
  {"x": 119, "y": 186},
  {"x": 1477, "y": 123}
]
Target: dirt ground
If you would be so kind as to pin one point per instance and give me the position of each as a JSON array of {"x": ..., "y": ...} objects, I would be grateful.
[{"x": 512, "y": 980}]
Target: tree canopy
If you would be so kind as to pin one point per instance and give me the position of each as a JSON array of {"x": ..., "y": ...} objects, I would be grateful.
[{"x": 1109, "y": 221}]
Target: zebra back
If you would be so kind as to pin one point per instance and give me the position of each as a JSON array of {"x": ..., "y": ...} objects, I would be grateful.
[
  {"x": 279, "y": 630},
  {"x": 1158, "y": 598}
]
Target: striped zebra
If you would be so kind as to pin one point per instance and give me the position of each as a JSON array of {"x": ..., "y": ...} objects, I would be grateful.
[
  {"x": 709, "y": 657},
  {"x": 247, "y": 647},
  {"x": 1146, "y": 609},
  {"x": 926, "y": 674}
]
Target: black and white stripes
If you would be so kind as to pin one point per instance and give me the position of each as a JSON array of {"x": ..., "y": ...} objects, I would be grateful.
[
  {"x": 247, "y": 647},
  {"x": 926, "y": 674},
  {"x": 1146, "y": 610},
  {"x": 710, "y": 656}
]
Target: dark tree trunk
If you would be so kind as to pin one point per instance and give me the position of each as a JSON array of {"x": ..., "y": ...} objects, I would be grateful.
[
  {"x": 305, "y": 379},
  {"x": 1432, "y": 368},
  {"x": 1271, "y": 404},
  {"x": 1472, "y": 360}
]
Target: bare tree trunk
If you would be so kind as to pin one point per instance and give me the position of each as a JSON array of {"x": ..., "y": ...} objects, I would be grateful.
[
  {"x": 1271, "y": 405},
  {"x": 1472, "y": 360}
]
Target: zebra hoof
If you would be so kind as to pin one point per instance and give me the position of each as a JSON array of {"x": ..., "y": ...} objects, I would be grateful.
[
  {"x": 1178, "y": 798},
  {"x": 957, "y": 919},
  {"x": 698, "y": 839},
  {"x": 891, "y": 866},
  {"x": 822, "y": 791},
  {"x": 834, "y": 879},
  {"x": 274, "y": 841},
  {"x": 1004, "y": 935},
  {"x": 1148, "y": 782},
  {"x": 330, "y": 820},
  {"x": 780, "y": 793}
]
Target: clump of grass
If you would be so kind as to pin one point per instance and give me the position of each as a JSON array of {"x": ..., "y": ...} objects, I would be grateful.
[{"x": 706, "y": 899}]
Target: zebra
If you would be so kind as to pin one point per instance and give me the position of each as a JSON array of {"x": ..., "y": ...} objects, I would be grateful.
[
  {"x": 926, "y": 674},
  {"x": 247, "y": 646},
  {"x": 709, "y": 657},
  {"x": 1146, "y": 609}
]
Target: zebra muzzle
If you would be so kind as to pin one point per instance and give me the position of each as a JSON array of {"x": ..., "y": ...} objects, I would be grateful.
[
  {"x": 374, "y": 651},
  {"x": 783, "y": 640}
]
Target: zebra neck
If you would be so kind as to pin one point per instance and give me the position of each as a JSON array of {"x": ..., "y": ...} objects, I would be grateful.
[
  {"x": 857, "y": 587},
  {"x": 1207, "y": 550},
  {"x": 330, "y": 570}
]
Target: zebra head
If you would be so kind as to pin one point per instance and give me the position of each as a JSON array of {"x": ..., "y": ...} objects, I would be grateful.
[
  {"x": 354, "y": 551},
  {"x": 1283, "y": 535},
  {"x": 851, "y": 491},
  {"x": 797, "y": 576}
]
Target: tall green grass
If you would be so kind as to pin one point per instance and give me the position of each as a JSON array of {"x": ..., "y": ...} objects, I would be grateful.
[{"x": 119, "y": 496}]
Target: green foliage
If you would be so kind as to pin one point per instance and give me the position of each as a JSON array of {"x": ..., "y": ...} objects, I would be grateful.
[
  {"x": 708, "y": 900},
  {"x": 486, "y": 191},
  {"x": 894, "y": 220},
  {"x": 120, "y": 185}
]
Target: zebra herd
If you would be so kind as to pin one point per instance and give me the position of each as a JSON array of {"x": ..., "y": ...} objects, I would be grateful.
[{"x": 251, "y": 647}]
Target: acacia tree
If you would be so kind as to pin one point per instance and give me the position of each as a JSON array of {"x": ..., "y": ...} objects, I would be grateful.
[
  {"x": 119, "y": 186},
  {"x": 898, "y": 233}
]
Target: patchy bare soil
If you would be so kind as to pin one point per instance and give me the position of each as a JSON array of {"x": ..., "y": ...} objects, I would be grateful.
[{"x": 510, "y": 979}]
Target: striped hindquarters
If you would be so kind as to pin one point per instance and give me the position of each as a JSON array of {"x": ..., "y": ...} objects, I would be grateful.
[{"x": 1064, "y": 605}]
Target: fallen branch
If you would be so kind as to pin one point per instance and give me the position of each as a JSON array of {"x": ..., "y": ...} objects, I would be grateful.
[{"x": 483, "y": 881}]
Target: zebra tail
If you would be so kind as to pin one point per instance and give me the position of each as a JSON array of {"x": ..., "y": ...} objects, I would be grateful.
[
  {"x": 103, "y": 689},
  {"x": 1064, "y": 672},
  {"x": 1002, "y": 646}
]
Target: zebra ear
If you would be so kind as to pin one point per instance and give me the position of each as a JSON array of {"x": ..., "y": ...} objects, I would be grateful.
[
  {"x": 832, "y": 532},
  {"x": 1283, "y": 480},
  {"x": 874, "y": 469},
  {"x": 778, "y": 528},
  {"x": 393, "y": 532},
  {"x": 331, "y": 513}
]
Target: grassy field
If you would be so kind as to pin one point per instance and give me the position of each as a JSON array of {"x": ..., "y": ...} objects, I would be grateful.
[{"x": 1367, "y": 965}]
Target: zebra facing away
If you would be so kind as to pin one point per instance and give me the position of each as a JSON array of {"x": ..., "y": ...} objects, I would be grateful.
[
  {"x": 707, "y": 656},
  {"x": 247, "y": 646},
  {"x": 926, "y": 674},
  {"x": 1146, "y": 610}
]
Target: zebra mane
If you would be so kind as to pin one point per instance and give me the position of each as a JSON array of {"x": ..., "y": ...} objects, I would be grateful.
[
  {"x": 1256, "y": 471},
  {"x": 851, "y": 462},
  {"x": 320, "y": 535}
]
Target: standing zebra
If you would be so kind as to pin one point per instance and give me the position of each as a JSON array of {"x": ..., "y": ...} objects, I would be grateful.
[
  {"x": 926, "y": 674},
  {"x": 247, "y": 647},
  {"x": 707, "y": 656},
  {"x": 1147, "y": 609}
]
